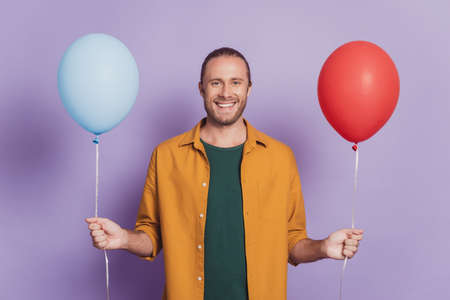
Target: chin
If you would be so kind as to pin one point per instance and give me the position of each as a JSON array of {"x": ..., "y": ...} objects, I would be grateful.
[
  {"x": 227, "y": 122},
  {"x": 217, "y": 118}
]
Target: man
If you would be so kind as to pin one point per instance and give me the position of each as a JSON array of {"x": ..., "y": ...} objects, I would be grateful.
[{"x": 225, "y": 202}]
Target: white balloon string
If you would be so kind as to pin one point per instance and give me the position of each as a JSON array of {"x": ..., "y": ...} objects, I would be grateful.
[
  {"x": 108, "y": 297},
  {"x": 96, "y": 215},
  {"x": 342, "y": 278},
  {"x": 355, "y": 187},
  {"x": 96, "y": 180}
]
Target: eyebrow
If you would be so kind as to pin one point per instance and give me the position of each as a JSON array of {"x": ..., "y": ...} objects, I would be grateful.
[
  {"x": 214, "y": 79},
  {"x": 218, "y": 79}
]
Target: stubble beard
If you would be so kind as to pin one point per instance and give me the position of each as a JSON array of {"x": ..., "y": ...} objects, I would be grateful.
[{"x": 212, "y": 115}]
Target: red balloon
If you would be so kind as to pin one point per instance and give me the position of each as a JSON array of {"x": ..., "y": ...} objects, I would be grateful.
[{"x": 358, "y": 89}]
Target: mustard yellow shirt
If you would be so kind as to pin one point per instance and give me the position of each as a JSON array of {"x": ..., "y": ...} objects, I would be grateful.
[{"x": 172, "y": 212}]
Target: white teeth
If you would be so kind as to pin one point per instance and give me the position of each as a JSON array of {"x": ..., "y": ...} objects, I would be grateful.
[{"x": 225, "y": 105}]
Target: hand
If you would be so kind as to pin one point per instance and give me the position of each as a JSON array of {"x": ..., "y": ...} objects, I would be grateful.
[
  {"x": 106, "y": 234},
  {"x": 343, "y": 243}
]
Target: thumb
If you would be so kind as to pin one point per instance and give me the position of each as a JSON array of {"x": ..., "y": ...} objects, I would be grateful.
[
  {"x": 108, "y": 225},
  {"x": 350, "y": 231},
  {"x": 95, "y": 220},
  {"x": 355, "y": 231},
  {"x": 347, "y": 230},
  {"x": 90, "y": 220}
]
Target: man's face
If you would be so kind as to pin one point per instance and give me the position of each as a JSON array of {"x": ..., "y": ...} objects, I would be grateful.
[{"x": 225, "y": 89}]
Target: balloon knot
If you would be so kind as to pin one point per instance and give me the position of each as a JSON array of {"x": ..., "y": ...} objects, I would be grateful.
[
  {"x": 95, "y": 140},
  {"x": 355, "y": 147}
]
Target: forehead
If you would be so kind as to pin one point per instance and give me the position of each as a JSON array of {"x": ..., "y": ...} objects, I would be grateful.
[{"x": 225, "y": 67}]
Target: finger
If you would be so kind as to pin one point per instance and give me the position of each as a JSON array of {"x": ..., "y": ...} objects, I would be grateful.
[
  {"x": 347, "y": 253},
  {"x": 96, "y": 245},
  {"x": 102, "y": 245},
  {"x": 94, "y": 226},
  {"x": 97, "y": 233},
  {"x": 99, "y": 239},
  {"x": 105, "y": 224},
  {"x": 351, "y": 242},
  {"x": 97, "y": 220},
  {"x": 102, "y": 221},
  {"x": 347, "y": 231},
  {"x": 350, "y": 248},
  {"x": 357, "y": 231},
  {"x": 356, "y": 237}
]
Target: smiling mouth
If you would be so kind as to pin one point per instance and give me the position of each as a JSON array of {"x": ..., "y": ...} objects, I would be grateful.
[{"x": 225, "y": 105}]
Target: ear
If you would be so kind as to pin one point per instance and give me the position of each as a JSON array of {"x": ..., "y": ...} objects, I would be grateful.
[
  {"x": 249, "y": 89},
  {"x": 200, "y": 89}
]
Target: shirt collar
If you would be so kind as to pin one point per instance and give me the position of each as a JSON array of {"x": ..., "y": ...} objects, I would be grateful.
[{"x": 253, "y": 136}]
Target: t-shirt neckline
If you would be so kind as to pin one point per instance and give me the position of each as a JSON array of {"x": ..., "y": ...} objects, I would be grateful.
[{"x": 221, "y": 148}]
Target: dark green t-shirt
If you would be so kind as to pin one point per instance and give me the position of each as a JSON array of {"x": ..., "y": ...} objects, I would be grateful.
[{"x": 225, "y": 265}]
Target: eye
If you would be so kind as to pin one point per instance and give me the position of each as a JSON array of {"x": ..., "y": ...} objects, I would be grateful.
[
  {"x": 215, "y": 83},
  {"x": 236, "y": 82}
]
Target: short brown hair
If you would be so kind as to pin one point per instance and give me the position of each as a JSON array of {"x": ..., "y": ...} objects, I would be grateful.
[{"x": 225, "y": 51}]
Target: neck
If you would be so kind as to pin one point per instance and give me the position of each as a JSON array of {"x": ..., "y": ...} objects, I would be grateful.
[{"x": 224, "y": 135}]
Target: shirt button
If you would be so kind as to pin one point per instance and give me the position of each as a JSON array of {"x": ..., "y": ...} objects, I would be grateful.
[
  {"x": 199, "y": 246},
  {"x": 204, "y": 183},
  {"x": 201, "y": 215},
  {"x": 199, "y": 278}
]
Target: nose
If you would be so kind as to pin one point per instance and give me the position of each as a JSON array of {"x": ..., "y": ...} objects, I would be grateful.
[{"x": 226, "y": 91}]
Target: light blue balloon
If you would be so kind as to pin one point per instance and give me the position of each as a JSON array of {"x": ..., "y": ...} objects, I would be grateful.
[{"x": 98, "y": 81}]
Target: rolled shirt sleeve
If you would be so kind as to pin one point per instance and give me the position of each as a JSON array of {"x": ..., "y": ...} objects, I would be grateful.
[
  {"x": 296, "y": 209},
  {"x": 147, "y": 219}
]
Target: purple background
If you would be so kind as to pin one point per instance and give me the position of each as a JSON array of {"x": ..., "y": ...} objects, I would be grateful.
[{"x": 47, "y": 173}]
